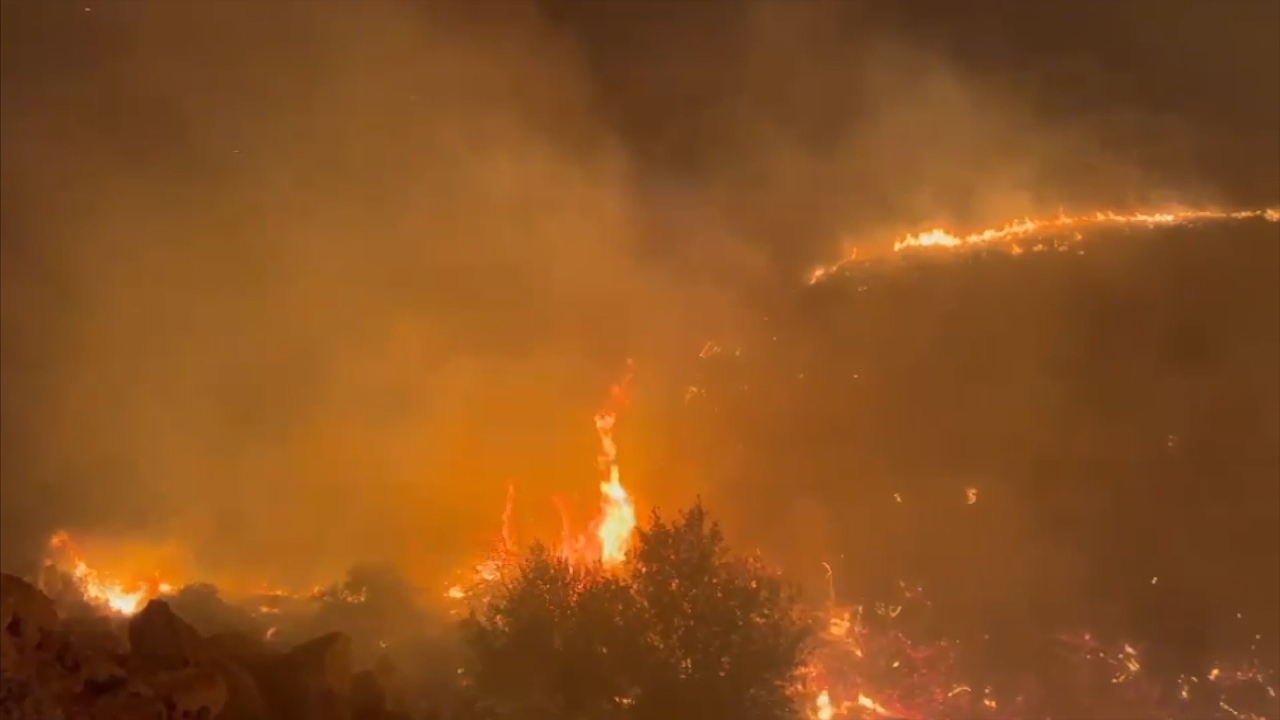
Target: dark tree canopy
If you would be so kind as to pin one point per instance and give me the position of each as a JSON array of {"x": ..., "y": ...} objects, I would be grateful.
[{"x": 686, "y": 630}]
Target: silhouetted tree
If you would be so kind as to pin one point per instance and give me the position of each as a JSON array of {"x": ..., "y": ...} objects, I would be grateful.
[{"x": 685, "y": 630}]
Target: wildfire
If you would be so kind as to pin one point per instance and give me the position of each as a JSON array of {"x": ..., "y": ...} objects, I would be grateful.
[
  {"x": 610, "y": 534},
  {"x": 868, "y": 663},
  {"x": 865, "y": 662},
  {"x": 98, "y": 587},
  {"x": 825, "y": 711},
  {"x": 1028, "y": 228},
  {"x": 617, "y": 521}
]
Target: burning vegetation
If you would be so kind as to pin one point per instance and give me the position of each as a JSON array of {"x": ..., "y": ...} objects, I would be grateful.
[
  {"x": 684, "y": 624},
  {"x": 97, "y": 587},
  {"x": 1051, "y": 233},
  {"x": 290, "y": 286},
  {"x": 663, "y": 620}
]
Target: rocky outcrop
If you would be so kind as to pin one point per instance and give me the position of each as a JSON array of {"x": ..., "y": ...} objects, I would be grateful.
[
  {"x": 311, "y": 681},
  {"x": 101, "y": 635},
  {"x": 379, "y": 693},
  {"x": 244, "y": 700},
  {"x": 44, "y": 675},
  {"x": 237, "y": 656},
  {"x": 368, "y": 699},
  {"x": 159, "y": 639},
  {"x": 78, "y": 669}
]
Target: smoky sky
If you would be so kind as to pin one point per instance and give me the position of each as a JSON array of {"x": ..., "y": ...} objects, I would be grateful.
[{"x": 293, "y": 284}]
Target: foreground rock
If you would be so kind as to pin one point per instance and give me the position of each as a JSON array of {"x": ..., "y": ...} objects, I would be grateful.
[
  {"x": 30, "y": 676},
  {"x": 77, "y": 670},
  {"x": 311, "y": 681},
  {"x": 44, "y": 675}
]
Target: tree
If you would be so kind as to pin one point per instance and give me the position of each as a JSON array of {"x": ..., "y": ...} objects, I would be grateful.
[{"x": 686, "y": 629}]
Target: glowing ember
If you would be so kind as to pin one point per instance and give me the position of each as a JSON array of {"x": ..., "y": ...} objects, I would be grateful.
[
  {"x": 1030, "y": 228},
  {"x": 97, "y": 587},
  {"x": 868, "y": 663},
  {"x": 872, "y": 705}
]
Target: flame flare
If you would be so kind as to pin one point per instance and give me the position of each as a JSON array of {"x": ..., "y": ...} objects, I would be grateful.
[
  {"x": 609, "y": 537},
  {"x": 98, "y": 587},
  {"x": 1029, "y": 228},
  {"x": 617, "y": 521}
]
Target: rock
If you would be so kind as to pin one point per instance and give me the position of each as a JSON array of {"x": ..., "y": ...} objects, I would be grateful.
[
  {"x": 97, "y": 634},
  {"x": 74, "y": 670},
  {"x": 312, "y": 681},
  {"x": 392, "y": 685},
  {"x": 26, "y": 614},
  {"x": 368, "y": 700},
  {"x": 244, "y": 699},
  {"x": 23, "y": 699},
  {"x": 100, "y": 674},
  {"x": 236, "y": 646},
  {"x": 230, "y": 655},
  {"x": 31, "y": 679},
  {"x": 131, "y": 702},
  {"x": 234, "y": 655},
  {"x": 160, "y": 639},
  {"x": 326, "y": 660},
  {"x": 190, "y": 693}
]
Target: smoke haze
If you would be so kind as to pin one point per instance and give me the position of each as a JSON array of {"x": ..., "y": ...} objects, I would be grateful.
[{"x": 292, "y": 285}]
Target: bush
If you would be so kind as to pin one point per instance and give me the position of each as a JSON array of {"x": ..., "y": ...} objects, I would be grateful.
[{"x": 685, "y": 630}]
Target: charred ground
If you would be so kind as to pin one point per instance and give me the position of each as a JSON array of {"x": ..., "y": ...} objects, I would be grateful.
[{"x": 1117, "y": 408}]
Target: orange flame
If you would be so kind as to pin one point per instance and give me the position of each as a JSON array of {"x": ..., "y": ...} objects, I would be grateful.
[
  {"x": 1029, "y": 227},
  {"x": 508, "y": 537},
  {"x": 98, "y": 587},
  {"x": 610, "y": 534},
  {"x": 825, "y": 711},
  {"x": 617, "y": 521}
]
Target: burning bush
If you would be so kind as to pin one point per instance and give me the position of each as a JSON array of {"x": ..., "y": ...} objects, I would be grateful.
[{"x": 684, "y": 629}]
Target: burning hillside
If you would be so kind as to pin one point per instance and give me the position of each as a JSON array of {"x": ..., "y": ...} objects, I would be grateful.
[
  {"x": 891, "y": 657},
  {"x": 955, "y": 330},
  {"x": 1056, "y": 232}
]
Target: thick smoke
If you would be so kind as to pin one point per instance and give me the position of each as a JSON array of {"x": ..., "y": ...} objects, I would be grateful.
[
  {"x": 316, "y": 280},
  {"x": 293, "y": 285}
]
